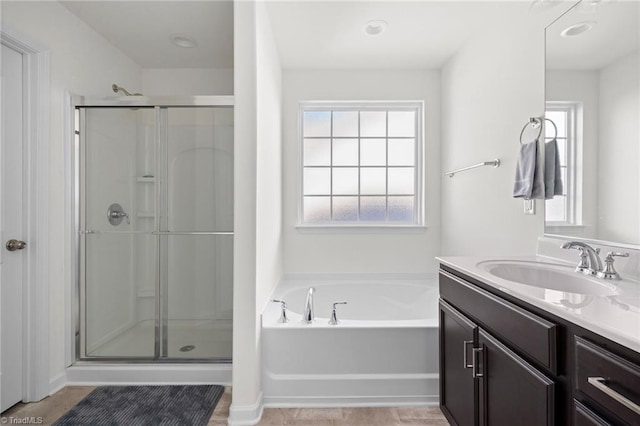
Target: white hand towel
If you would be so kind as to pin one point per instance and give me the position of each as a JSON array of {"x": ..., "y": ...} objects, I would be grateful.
[
  {"x": 527, "y": 184},
  {"x": 552, "y": 173}
]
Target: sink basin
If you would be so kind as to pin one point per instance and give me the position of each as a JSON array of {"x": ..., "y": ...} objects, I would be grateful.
[{"x": 548, "y": 276}]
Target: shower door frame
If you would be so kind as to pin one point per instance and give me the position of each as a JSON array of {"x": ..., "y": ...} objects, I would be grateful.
[{"x": 79, "y": 310}]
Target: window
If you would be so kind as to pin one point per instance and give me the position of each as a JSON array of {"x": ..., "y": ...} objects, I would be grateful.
[
  {"x": 361, "y": 163},
  {"x": 563, "y": 210}
]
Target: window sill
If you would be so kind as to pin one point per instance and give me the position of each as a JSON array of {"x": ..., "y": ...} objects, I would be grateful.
[
  {"x": 563, "y": 225},
  {"x": 360, "y": 229}
]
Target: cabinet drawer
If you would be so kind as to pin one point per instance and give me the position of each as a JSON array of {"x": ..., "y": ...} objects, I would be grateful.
[
  {"x": 583, "y": 416},
  {"x": 611, "y": 381},
  {"x": 531, "y": 334}
]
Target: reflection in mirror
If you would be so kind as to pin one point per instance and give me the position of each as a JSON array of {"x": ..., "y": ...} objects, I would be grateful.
[{"x": 593, "y": 97}]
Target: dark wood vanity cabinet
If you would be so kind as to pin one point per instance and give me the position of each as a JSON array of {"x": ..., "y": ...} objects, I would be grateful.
[
  {"x": 459, "y": 393},
  {"x": 504, "y": 362},
  {"x": 483, "y": 382},
  {"x": 512, "y": 391}
]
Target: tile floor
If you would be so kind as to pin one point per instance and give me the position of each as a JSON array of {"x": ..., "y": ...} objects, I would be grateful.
[{"x": 52, "y": 408}]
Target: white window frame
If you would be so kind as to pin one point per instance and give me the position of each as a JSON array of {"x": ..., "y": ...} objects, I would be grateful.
[
  {"x": 572, "y": 186},
  {"x": 418, "y": 213}
]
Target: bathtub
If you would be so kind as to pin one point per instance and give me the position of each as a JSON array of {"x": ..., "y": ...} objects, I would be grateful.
[{"x": 383, "y": 352}]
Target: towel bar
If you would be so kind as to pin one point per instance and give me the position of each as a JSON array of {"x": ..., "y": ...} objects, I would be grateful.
[
  {"x": 494, "y": 163},
  {"x": 535, "y": 122}
]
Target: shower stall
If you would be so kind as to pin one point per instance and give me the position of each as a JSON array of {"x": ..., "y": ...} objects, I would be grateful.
[{"x": 154, "y": 185}]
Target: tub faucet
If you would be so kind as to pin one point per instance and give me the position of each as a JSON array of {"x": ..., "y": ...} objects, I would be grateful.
[
  {"x": 307, "y": 317},
  {"x": 590, "y": 263}
]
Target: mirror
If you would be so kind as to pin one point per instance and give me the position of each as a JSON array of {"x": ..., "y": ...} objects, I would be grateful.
[{"x": 593, "y": 96}]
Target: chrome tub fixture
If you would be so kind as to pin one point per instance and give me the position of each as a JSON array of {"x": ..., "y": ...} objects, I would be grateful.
[
  {"x": 283, "y": 314},
  {"x": 308, "y": 316},
  {"x": 333, "y": 320}
]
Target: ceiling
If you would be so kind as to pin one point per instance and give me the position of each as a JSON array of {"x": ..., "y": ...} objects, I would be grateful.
[
  {"x": 309, "y": 33},
  {"x": 615, "y": 34},
  {"x": 420, "y": 34},
  {"x": 142, "y": 30}
]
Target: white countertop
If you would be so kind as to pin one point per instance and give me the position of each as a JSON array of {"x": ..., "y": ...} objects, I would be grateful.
[{"x": 616, "y": 317}]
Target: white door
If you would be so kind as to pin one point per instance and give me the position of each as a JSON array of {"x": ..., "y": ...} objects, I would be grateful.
[{"x": 12, "y": 253}]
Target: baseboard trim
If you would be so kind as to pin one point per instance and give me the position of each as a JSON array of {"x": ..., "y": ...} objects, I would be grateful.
[
  {"x": 57, "y": 382},
  {"x": 246, "y": 415},
  {"x": 350, "y": 390},
  {"x": 352, "y": 401},
  {"x": 95, "y": 374}
]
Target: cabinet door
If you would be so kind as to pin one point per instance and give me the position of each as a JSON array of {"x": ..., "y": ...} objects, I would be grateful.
[
  {"x": 512, "y": 392},
  {"x": 458, "y": 389}
]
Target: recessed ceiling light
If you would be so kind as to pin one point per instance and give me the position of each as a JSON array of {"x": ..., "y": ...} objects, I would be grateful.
[
  {"x": 577, "y": 29},
  {"x": 183, "y": 40},
  {"x": 374, "y": 28}
]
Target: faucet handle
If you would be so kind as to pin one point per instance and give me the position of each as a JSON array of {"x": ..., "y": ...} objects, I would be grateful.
[
  {"x": 583, "y": 266},
  {"x": 611, "y": 254},
  {"x": 334, "y": 318},
  {"x": 609, "y": 272},
  {"x": 283, "y": 315}
]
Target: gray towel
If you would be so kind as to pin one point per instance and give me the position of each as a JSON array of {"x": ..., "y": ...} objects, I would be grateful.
[
  {"x": 552, "y": 174},
  {"x": 527, "y": 183}
]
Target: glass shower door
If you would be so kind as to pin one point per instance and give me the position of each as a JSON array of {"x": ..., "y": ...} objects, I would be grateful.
[
  {"x": 156, "y": 233},
  {"x": 118, "y": 249},
  {"x": 196, "y": 247}
]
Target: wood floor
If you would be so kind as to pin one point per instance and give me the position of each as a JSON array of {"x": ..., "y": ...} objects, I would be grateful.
[{"x": 50, "y": 409}]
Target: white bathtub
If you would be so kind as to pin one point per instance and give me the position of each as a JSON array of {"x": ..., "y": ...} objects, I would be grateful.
[{"x": 383, "y": 352}]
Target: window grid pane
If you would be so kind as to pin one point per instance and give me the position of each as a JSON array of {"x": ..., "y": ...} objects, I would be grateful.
[
  {"x": 560, "y": 210},
  {"x": 353, "y": 161}
]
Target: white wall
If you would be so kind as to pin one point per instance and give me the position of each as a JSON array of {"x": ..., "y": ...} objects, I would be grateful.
[
  {"x": 489, "y": 91},
  {"x": 84, "y": 63},
  {"x": 344, "y": 252},
  {"x": 581, "y": 86},
  {"x": 187, "y": 81},
  {"x": 619, "y": 176},
  {"x": 246, "y": 327},
  {"x": 269, "y": 166},
  {"x": 258, "y": 246}
]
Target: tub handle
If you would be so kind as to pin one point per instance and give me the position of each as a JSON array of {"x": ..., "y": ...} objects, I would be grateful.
[
  {"x": 283, "y": 315},
  {"x": 474, "y": 373},
  {"x": 465, "y": 351},
  {"x": 333, "y": 320}
]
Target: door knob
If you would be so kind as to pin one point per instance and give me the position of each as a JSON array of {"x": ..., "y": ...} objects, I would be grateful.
[{"x": 13, "y": 245}]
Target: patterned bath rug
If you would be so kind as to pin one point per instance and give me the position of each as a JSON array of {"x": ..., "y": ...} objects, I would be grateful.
[{"x": 145, "y": 406}]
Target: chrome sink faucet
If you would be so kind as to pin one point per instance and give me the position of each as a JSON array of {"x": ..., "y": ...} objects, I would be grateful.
[
  {"x": 590, "y": 263},
  {"x": 308, "y": 316}
]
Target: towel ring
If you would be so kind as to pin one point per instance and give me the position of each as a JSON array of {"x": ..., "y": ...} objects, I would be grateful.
[
  {"x": 555, "y": 128},
  {"x": 533, "y": 122}
]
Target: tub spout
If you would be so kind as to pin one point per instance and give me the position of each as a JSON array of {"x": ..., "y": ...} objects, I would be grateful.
[{"x": 307, "y": 318}]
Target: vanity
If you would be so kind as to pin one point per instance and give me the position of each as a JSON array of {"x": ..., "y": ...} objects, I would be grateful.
[{"x": 528, "y": 341}]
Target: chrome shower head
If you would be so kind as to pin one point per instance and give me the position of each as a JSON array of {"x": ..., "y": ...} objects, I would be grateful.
[{"x": 117, "y": 89}]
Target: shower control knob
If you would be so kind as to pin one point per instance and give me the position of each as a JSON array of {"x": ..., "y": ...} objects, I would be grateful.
[{"x": 13, "y": 245}]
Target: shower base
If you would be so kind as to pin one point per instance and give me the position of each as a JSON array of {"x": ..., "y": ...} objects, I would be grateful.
[{"x": 186, "y": 339}]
